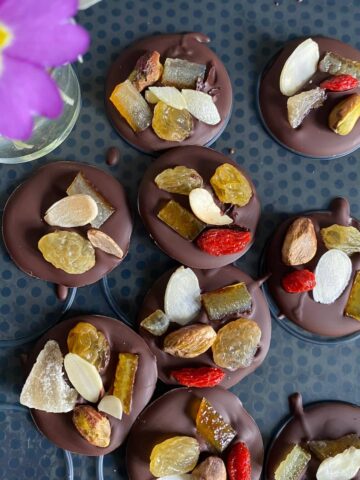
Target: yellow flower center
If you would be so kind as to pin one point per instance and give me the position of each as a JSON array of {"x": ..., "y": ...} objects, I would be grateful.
[{"x": 5, "y": 36}]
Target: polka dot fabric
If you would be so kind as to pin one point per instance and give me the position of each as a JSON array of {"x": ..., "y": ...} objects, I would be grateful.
[{"x": 245, "y": 34}]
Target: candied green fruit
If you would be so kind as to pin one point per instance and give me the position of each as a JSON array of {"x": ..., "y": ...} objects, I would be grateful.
[
  {"x": 174, "y": 456},
  {"x": 171, "y": 124},
  {"x": 179, "y": 179},
  {"x": 156, "y": 323},
  {"x": 181, "y": 220},
  {"x": 181, "y": 73},
  {"x": 212, "y": 427},
  {"x": 125, "y": 379},
  {"x": 231, "y": 186},
  {"x": 227, "y": 302},
  {"x": 300, "y": 105},
  {"x": 336, "y": 65},
  {"x": 352, "y": 308},
  {"x": 329, "y": 448},
  {"x": 342, "y": 238},
  {"x": 294, "y": 465}
]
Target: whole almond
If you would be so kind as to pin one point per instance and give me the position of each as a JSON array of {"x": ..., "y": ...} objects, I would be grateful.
[
  {"x": 300, "y": 243},
  {"x": 104, "y": 242},
  {"x": 190, "y": 341},
  {"x": 213, "y": 468},
  {"x": 74, "y": 211}
]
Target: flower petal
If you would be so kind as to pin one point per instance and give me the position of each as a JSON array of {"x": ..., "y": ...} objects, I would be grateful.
[
  {"x": 27, "y": 12},
  {"x": 25, "y": 91}
]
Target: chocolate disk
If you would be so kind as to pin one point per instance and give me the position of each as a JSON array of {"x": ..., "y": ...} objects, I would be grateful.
[
  {"x": 208, "y": 280},
  {"x": 328, "y": 320},
  {"x": 151, "y": 199},
  {"x": 23, "y": 223},
  {"x": 191, "y": 47},
  {"x": 313, "y": 138},
  {"x": 318, "y": 421},
  {"x": 58, "y": 427},
  {"x": 170, "y": 415}
]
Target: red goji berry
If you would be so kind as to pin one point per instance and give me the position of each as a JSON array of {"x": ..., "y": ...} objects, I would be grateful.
[
  {"x": 238, "y": 463},
  {"x": 299, "y": 281},
  {"x": 198, "y": 377},
  {"x": 223, "y": 241},
  {"x": 340, "y": 83}
]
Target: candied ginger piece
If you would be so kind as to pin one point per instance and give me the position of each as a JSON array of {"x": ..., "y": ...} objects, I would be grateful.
[
  {"x": 181, "y": 220},
  {"x": 300, "y": 105},
  {"x": 147, "y": 71},
  {"x": 227, "y": 302},
  {"x": 231, "y": 186},
  {"x": 179, "y": 179},
  {"x": 294, "y": 465},
  {"x": 181, "y": 73},
  {"x": 125, "y": 379},
  {"x": 174, "y": 456},
  {"x": 329, "y": 448},
  {"x": 81, "y": 185},
  {"x": 352, "y": 308},
  {"x": 337, "y": 65},
  {"x": 171, "y": 124},
  {"x": 212, "y": 427},
  {"x": 201, "y": 105},
  {"x": 169, "y": 95},
  {"x": 156, "y": 323},
  {"x": 90, "y": 344},
  {"x": 132, "y": 106},
  {"x": 342, "y": 238}
]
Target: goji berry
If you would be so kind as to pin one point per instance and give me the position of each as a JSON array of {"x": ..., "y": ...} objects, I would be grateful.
[
  {"x": 340, "y": 83},
  {"x": 299, "y": 281},
  {"x": 238, "y": 463},
  {"x": 223, "y": 241},
  {"x": 198, "y": 377}
]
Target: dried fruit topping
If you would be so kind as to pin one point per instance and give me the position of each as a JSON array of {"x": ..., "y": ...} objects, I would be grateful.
[
  {"x": 300, "y": 105},
  {"x": 223, "y": 241},
  {"x": 181, "y": 220},
  {"x": 300, "y": 243},
  {"x": 90, "y": 344},
  {"x": 171, "y": 124},
  {"x": 212, "y": 427},
  {"x": 332, "y": 275},
  {"x": 150, "y": 97},
  {"x": 236, "y": 344},
  {"x": 176, "y": 455},
  {"x": 336, "y": 65},
  {"x": 298, "y": 281},
  {"x": 45, "y": 388},
  {"x": 125, "y": 379},
  {"x": 342, "y": 238},
  {"x": 204, "y": 207},
  {"x": 343, "y": 466},
  {"x": 184, "y": 476},
  {"x": 84, "y": 377},
  {"x": 340, "y": 83},
  {"x": 104, "y": 242},
  {"x": 169, "y": 95},
  {"x": 213, "y": 468},
  {"x": 239, "y": 462},
  {"x": 156, "y": 323},
  {"x": 299, "y": 67},
  {"x": 74, "y": 211},
  {"x": 227, "y": 302},
  {"x": 111, "y": 405},
  {"x": 68, "y": 251},
  {"x": 201, "y": 105},
  {"x": 200, "y": 377},
  {"x": 294, "y": 465},
  {"x": 329, "y": 448},
  {"x": 181, "y": 73},
  {"x": 147, "y": 71},
  {"x": 190, "y": 341},
  {"x": 81, "y": 184},
  {"x": 345, "y": 114},
  {"x": 92, "y": 425},
  {"x": 132, "y": 106},
  {"x": 182, "y": 296},
  {"x": 231, "y": 186},
  {"x": 352, "y": 308},
  {"x": 179, "y": 180}
]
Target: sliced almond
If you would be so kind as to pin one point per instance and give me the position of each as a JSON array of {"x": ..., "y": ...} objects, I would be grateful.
[
  {"x": 204, "y": 207},
  {"x": 201, "y": 106},
  {"x": 151, "y": 97},
  {"x": 169, "y": 95},
  {"x": 84, "y": 377},
  {"x": 111, "y": 405},
  {"x": 74, "y": 211},
  {"x": 104, "y": 242}
]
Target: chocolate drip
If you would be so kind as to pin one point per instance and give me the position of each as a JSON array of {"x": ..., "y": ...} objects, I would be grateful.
[
  {"x": 62, "y": 292},
  {"x": 341, "y": 210},
  {"x": 297, "y": 408},
  {"x": 112, "y": 156}
]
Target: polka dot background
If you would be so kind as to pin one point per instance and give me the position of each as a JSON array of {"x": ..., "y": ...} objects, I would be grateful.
[{"x": 245, "y": 34}]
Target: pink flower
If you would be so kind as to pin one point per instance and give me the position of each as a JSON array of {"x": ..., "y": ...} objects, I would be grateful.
[{"x": 35, "y": 35}]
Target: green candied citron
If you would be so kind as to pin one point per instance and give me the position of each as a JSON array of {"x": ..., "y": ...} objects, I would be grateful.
[
  {"x": 324, "y": 449},
  {"x": 156, "y": 323},
  {"x": 342, "y": 238},
  {"x": 181, "y": 220},
  {"x": 179, "y": 179},
  {"x": 294, "y": 465},
  {"x": 352, "y": 308},
  {"x": 227, "y": 302}
]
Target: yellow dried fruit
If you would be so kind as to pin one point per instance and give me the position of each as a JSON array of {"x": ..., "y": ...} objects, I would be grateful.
[
  {"x": 231, "y": 186},
  {"x": 156, "y": 323},
  {"x": 174, "y": 456},
  {"x": 92, "y": 425},
  {"x": 345, "y": 114},
  {"x": 352, "y": 308},
  {"x": 181, "y": 220},
  {"x": 125, "y": 379},
  {"x": 68, "y": 251},
  {"x": 171, "y": 124},
  {"x": 341, "y": 237},
  {"x": 190, "y": 341},
  {"x": 179, "y": 179}
]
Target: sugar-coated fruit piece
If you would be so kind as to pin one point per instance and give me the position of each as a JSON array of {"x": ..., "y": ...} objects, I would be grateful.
[
  {"x": 341, "y": 237},
  {"x": 336, "y": 64},
  {"x": 73, "y": 211},
  {"x": 329, "y": 448},
  {"x": 300, "y": 242},
  {"x": 227, "y": 302},
  {"x": 171, "y": 124},
  {"x": 111, "y": 405},
  {"x": 231, "y": 186},
  {"x": 176, "y": 455},
  {"x": 300, "y": 105},
  {"x": 200, "y": 377},
  {"x": 238, "y": 462},
  {"x": 156, "y": 323},
  {"x": 181, "y": 220},
  {"x": 92, "y": 425},
  {"x": 180, "y": 73},
  {"x": 125, "y": 379},
  {"x": 179, "y": 179},
  {"x": 84, "y": 377},
  {"x": 352, "y": 308},
  {"x": 298, "y": 281},
  {"x": 204, "y": 207},
  {"x": 190, "y": 341},
  {"x": 294, "y": 464},
  {"x": 147, "y": 71},
  {"x": 169, "y": 95},
  {"x": 344, "y": 466},
  {"x": 223, "y": 241},
  {"x": 201, "y": 106}
]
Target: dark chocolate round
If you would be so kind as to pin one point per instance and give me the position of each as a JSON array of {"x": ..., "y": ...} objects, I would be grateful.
[
  {"x": 23, "y": 223},
  {"x": 191, "y": 47},
  {"x": 170, "y": 415},
  {"x": 58, "y": 427},
  {"x": 313, "y": 138},
  {"x": 327, "y": 320},
  {"x": 151, "y": 199},
  {"x": 318, "y": 421},
  {"x": 208, "y": 280}
]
